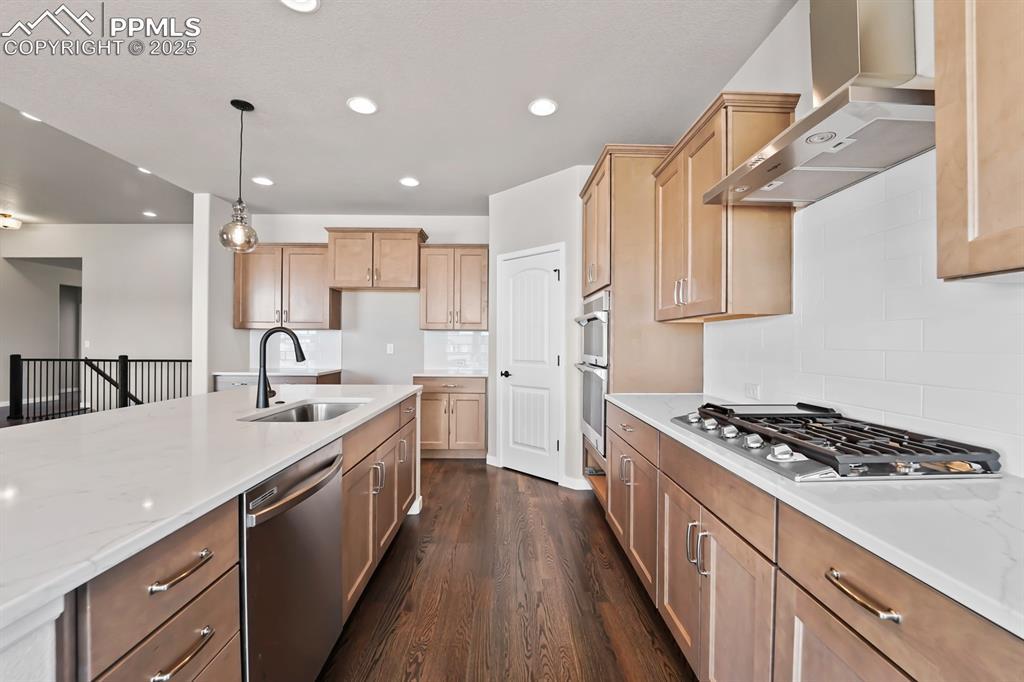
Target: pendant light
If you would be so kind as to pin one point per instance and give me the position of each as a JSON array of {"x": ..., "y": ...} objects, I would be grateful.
[{"x": 238, "y": 235}]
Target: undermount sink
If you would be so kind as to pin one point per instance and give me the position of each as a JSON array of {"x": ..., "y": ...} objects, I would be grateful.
[{"x": 310, "y": 412}]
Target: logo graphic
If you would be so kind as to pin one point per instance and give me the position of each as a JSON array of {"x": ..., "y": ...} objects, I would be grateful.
[{"x": 28, "y": 27}]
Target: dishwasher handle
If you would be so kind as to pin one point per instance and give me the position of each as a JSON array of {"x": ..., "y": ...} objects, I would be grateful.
[{"x": 296, "y": 497}]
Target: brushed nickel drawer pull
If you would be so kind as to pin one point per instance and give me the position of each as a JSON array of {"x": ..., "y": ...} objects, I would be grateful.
[
  {"x": 689, "y": 533},
  {"x": 627, "y": 428},
  {"x": 205, "y": 635},
  {"x": 449, "y": 385},
  {"x": 629, "y": 467},
  {"x": 368, "y": 274},
  {"x": 409, "y": 410},
  {"x": 163, "y": 585},
  {"x": 862, "y": 600},
  {"x": 699, "y": 563}
]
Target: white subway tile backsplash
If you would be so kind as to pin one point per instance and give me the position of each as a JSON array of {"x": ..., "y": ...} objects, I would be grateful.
[{"x": 876, "y": 333}]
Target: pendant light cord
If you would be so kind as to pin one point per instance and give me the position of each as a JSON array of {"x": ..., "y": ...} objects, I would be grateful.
[{"x": 241, "y": 131}]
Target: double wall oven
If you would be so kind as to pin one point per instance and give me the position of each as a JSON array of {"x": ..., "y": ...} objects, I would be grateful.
[{"x": 594, "y": 365}]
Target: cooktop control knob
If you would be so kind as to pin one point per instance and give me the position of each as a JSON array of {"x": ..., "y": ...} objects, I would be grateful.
[
  {"x": 730, "y": 431},
  {"x": 752, "y": 441},
  {"x": 709, "y": 424},
  {"x": 780, "y": 453},
  {"x": 693, "y": 417}
]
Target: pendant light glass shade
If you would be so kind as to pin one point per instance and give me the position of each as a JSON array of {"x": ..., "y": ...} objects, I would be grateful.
[{"x": 238, "y": 235}]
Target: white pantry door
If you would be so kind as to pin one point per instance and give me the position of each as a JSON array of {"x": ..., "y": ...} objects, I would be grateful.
[{"x": 531, "y": 376}]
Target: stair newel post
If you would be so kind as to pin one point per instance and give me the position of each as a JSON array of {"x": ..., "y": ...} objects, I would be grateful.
[
  {"x": 122, "y": 381},
  {"x": 15, "y": 409}
]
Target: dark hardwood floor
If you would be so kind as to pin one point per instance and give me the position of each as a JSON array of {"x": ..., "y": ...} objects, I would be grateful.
[{"x": 504, "y": 577}]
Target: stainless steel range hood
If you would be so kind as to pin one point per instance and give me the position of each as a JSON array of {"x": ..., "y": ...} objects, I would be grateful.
[{"x": 875, "y": 106}]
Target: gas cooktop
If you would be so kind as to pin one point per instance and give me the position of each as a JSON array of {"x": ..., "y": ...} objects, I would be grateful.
[{"x": 810, "y": 443}]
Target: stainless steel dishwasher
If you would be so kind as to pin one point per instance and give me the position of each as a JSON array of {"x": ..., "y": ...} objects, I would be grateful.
[{"x": 292, "y": 553}]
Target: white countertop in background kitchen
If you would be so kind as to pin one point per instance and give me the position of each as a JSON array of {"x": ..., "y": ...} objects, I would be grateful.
[
  {"x": 451, "y": 372},
  {"x": 963, "y": 537},
  {"x": 81, "y": 494},
  {"x": 280, "y": 372}
]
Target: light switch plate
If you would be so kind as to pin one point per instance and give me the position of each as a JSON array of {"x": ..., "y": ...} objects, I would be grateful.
[{"x": 752, "y": 391}]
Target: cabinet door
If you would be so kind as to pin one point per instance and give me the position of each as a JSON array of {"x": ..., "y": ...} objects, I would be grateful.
[
  {"x": 979, "y": 136},
  {"x": 434, "y": 421},
  {"x": 736, "y": 605},
  {"x": 406, "y": 479},
  {"x": 597, "y": 274},
  {"x": 703, "y": 288},
  {"x": 396, "y": 260},
  {"x": 386, "y": 517},
  {"x": 642, "y": 548},
  {"x": 258, "y": 288},
  {"x": 306, "y": 297},
  {"x": 357, "y": 503},
  {"x": 679, "y": 582},
  {"x": 811, "y": 644},
  {"x": 670, "y": 241},
  {"x": 437, "y": 279},
  {"x": 467, "y": 421},
  {"x": 350, "y": 260},
  {"x": 471, "y": 288},
  {"x": 589, "y": 238},
  {"x": 618, "y": 494}
]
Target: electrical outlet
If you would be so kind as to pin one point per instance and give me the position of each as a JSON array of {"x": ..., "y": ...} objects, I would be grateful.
[
  {"x": 389, "y": 349},
  {"x": 752, "y": 391}
]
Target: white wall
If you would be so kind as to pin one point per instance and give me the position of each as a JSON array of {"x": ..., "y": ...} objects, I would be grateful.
[
  {"x": 541, "y": 212},
  {"x": 874, "y": 332},
  {"x": 136, "y": 283},
  {"x": 29, "y": 311}
]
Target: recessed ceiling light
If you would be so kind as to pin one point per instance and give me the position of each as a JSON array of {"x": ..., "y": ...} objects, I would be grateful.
[
  {"x": 543, "y": 106},
  {"x": 9, "y": 222},
  {"x": 31, "y": 117},
  {"x": 409, "y": 181},
  {"x": 144, "y": 170},
  {"x": 260, "y": 180},
  {"x": 149, "y": 214},
  {"x": 304, "y": 6},
  {"x": 362, "y": 105}
]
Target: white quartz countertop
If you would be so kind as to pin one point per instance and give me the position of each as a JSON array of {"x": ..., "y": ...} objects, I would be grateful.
[
  {"x": 281, "y": 372},
  {"x": 451, "y": 372},
  {"x": 81, "y": 494},
  {"x": 964, "y": 538}
]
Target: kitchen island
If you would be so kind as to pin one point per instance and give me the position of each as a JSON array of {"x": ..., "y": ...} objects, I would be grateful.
[{"x": 83, "y": 494}]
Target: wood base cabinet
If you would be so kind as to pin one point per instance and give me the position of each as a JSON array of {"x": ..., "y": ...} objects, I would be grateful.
[
  {"x": 720, "y": 262},
  {"x": 679, "y": 590},
  {"x": 285, "y": 284},
  {"x": 633, "y": 508},
  {"x": 453, "y": 413}
]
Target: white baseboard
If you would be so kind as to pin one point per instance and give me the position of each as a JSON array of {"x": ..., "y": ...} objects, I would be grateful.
[
  {"x": 574, "y": 483},
  {"x": 416, "y": 507},
  {"x": 492, "y": 461}
]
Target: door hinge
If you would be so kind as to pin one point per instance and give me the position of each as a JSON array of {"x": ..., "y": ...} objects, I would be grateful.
[
  {"x": 558, "y": 446},
  {"x": 558, "y": 274},
  {"x": 558, "y": 361}
]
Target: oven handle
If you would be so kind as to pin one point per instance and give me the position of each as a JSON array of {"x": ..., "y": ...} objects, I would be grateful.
[
  {"x": 584, "y": 320},
  {"x": 296, "y": 497},
  {"x": 584, "y": 367}
]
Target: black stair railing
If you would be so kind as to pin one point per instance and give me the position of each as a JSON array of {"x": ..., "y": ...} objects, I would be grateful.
[{"x": 50, "y": 388}]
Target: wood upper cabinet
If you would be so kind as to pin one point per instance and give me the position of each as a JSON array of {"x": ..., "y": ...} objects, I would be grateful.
[
  {"x": 358, "y": 530},
  {"x": 453, "y": 287},
  {"x": 679, "y": 581},
  {"x": 374, "y": 259},
  {"x": 406, "y": 479},
  {"x": 467, "y": 421},
  {"x": 633, "y": 508},
  {"x": 715, "y": 262},
  {"x": 285, "y": 284},
  {"x": 597, "y": 236},
  {"x": 811, "y": 644},
  {"x": 979, "y": 136},
  {"x": 434, "y": 421},
  {"x": 736, "y": 605}
]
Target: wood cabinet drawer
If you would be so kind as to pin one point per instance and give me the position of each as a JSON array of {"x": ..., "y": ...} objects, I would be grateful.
[
  {"x": 935, "y": 639},
  {"x": 745, "y": 508},
  {"x": 408, "y": 410},
  {"x": 189, "y": 641},
  {"x": 356, "y": 445},
  {"x": 643, "y": 437},
  {"x": 227, "y": 666},
  {"x": 452, "y": 384},
  {"x": 119, "y": 608}
]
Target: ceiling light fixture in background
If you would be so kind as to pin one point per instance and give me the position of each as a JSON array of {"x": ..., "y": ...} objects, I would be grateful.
[
  {"x": 149, "y": 214},
  {"x": 362, "y": 105},
  {"x": 9, "y": 222},
  {"x": 31, "y": 117},
  {"x": 146, "y": 172},
  {"x": 238, "y": 235},
  {"x": 542, "y": 106},
  {"x": 261, "y": 180},
  {"x": 409, "y": 181},
  {"x": 303, "y": 6}
]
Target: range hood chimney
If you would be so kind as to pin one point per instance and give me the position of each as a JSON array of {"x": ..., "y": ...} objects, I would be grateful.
[{"x": 872, "y": 64}]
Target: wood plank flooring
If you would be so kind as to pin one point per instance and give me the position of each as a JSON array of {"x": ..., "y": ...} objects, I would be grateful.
[{"x": 504, "y": 577}]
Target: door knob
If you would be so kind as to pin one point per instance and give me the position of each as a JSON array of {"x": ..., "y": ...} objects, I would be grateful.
[{"x": 506, "y": 373}]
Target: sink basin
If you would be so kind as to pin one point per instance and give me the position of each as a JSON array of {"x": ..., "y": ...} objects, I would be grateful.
[{"x": 310, "y": 412}]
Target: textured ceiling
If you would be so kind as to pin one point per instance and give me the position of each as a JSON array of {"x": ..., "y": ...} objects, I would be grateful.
[{"x": 452, "y": 80}]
